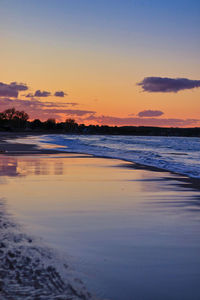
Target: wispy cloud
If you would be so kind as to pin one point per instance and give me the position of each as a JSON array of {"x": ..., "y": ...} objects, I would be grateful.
[
  {"x": 131, "y": 121},
  {"x": 167, "y": 85},
  {"x": 71, "y": 112},
  {"x": 38, "y": 109},
  {"x": 150, "y": 113},
  {"x": 12, "y": 89}
]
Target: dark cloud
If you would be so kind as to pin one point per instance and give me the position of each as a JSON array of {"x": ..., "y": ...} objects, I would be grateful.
[
  {"x": 110, "y": 120},
  {"x": 39, "y": 93},
  {"x": 150, "y": 113},
  {"x": 18, "y": 86},
  {"x": 60, "y": 94},
  {"x": 167, "y": 85},
  {"x": 12, "y": 89},
  {"x": 43, "y": 110},
  {"x": 29, "y": 95}
]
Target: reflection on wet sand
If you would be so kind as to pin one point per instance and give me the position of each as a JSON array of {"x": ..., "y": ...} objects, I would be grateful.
[
  {"x": 8, "y": 166},
  {"x": 34, "y": 165},
  {"x": 13, "y": 166},
  {"x": 132, "y": 232},
  {"x": 72, "y": 168}
]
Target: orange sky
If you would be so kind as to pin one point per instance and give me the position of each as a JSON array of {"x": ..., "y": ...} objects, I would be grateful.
[{"x": 99, "y": 68}]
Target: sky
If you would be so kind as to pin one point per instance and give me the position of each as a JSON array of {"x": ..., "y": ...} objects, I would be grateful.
[{"x": 114, "y": 62}]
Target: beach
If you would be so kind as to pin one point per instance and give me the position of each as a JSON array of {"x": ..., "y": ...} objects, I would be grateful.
[
  {"x": 28, "y": 270},
  {"x": 99, "y": 150},
  {"x": 129, "y": 231},
  {"x": 19, "y": 148}
]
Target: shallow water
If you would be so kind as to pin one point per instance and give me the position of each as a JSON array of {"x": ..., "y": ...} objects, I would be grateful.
[
  {"x": 175, "y": 154},
  {"x": 133, "y": 234}
]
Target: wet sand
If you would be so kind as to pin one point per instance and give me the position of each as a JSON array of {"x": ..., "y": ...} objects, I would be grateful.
[
  {"x": 31, "y": 271},
  {"x": 13, "y": 148},
  {"x": 134, "y": 231},
  {"x": 28, "y": 270}
]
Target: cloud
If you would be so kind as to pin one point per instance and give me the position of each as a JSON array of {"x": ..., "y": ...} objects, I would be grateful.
[
  {"x": 39, "y": 93},
  {"x": 43, "y": 110},
  {"x": 12, "y": 89},
  {"x": 70, "y": 112},
  {"x": 18, "y": 86},
  {"x": 150, "y": 113},
  {"x": 167, "y": 85},
  {"x": 60, "y": 94},
  {"x": 29, "y": 95},
  {"x": 110, "y": 120}
]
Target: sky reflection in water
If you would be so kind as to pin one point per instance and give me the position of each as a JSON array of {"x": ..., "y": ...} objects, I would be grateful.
[{"x": 134, "y": 234}]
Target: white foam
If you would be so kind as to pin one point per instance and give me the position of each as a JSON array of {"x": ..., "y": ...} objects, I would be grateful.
[{"x": 176, "y": 154}]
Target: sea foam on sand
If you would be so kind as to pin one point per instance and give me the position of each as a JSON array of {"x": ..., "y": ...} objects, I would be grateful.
[{"x": 29, "y": 270}]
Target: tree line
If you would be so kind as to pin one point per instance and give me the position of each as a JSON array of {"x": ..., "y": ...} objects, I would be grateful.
[{"x": 18, "y": 121}]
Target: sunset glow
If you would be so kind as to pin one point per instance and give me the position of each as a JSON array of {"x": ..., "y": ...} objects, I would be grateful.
[{"x": 102, "y": 62}]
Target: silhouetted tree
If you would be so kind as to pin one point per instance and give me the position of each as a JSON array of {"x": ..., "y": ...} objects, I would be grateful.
[
  {"x": 50, "y": 124},
  {"x": 14, "y": 118},
  {"x": 70, "y": 125},
  {"x": 36, "y": 124}
]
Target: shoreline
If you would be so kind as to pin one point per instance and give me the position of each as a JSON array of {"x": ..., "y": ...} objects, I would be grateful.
[
  {"x": 7, "y": 148},
  {"x": 27, "y": 269},
  {"x": 16, "y": 242}
]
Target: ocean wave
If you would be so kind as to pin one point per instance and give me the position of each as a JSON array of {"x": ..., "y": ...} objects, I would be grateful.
[{"x": 176, "y": 154}]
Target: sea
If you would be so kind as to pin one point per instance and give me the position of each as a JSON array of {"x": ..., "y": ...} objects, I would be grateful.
[{"x": 176, "y": 154}]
